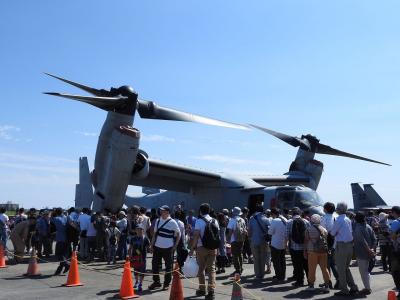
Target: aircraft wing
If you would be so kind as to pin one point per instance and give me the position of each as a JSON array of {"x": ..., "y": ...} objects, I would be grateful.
[
  {"x": 177, "y": 178},
  {"x": 282, "y": 180}
]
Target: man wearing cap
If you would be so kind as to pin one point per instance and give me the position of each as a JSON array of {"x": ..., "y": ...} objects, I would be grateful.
[
  {"x": 236, "y": 235},
  {"x": 163, "y": 245}
]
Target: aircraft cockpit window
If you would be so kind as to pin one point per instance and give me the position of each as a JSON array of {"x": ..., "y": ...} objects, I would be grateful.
[{"x": 301, "y": 199}]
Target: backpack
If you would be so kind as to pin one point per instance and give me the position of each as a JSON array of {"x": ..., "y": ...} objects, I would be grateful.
[
  {"x": 210, "y": 237},
  {"x": 240, "y": 230},
  {"x": 320, "y": 245},
  {"x": 298, "y": 231}
]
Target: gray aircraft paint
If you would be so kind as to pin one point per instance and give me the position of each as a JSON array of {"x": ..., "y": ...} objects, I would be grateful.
[
  {"x": 366, "y": 197},
  {"x": 84, "y": 189}
]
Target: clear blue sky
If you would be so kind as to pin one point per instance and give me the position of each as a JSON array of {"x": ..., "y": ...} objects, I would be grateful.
[{"x": 331, "y": 68}]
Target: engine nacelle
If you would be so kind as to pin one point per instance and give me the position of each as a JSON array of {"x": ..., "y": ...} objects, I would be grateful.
[
  {"x": 117, "y": 169},
  {"x": 141, "y": 168}
]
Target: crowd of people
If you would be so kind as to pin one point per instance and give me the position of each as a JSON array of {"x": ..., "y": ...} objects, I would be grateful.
[{"x": 219, "y": 240}]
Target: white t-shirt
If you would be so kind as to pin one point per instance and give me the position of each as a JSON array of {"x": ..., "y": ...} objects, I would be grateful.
[
  {"x": 84, "y": 221},
  {"x": 277, "y": 230},
  {"x": 145, "y": 223},
  {"x": 232, "y": 226},
  {"x": 170, "y": 229},
  {"x": 4, "y": 218},
  {"x": 200, "y": 225}
]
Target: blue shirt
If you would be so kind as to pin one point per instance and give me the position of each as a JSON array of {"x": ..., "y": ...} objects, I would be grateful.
[
  {"x": 258, "y": 229},
  {"x": 42, "y": 226},
  {"x": 61, "y": 228},
  {"x": 342, "y": 229},
  {"x": 395, "y": 226}
]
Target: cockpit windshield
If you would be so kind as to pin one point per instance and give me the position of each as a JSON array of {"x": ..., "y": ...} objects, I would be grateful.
[{"x": 295, "y": 198}]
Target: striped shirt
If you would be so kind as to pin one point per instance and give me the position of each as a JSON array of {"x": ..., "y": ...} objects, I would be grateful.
[{"x": 165, "y": 234}]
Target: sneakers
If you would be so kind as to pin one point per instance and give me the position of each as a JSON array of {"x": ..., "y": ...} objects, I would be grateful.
[
  {"x": 135, "y": 286},
  {"x": 139, "y": 288},
  {"x": 154, "y": 285},
  {"x": 365, "y": 292},
  {"x": 165, "y": 286},
  {"x": 297, "y": 284},
  {"x": 325, "y": 288},
  {"x": 66, "y": 268}
]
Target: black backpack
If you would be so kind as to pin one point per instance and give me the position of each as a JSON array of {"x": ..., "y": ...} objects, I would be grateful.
[
  {"x": 210, "y": 237},
  {"x": 298, "y": 231}
]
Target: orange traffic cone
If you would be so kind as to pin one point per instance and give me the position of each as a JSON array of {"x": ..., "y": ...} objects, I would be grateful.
[
  {"x": 177, "y": 287},
  {"x": 126, "y": 291},
  {"x": 2, "y": 258},
  {"x": 236, "y": 289},
  {"x": 33, "y": 269},
  {"x": 73, "y": 274},
  {"x": 392, "y": 295}
]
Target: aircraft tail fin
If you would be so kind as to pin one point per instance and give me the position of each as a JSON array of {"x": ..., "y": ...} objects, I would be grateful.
[
  {"x": 359, "y": 196},
  {"x": 373, "y": 196},
  {"x": 84, "y": 189}
]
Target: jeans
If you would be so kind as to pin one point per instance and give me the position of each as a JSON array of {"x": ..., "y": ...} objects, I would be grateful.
[
  {"x": 83, "y": 247},
  {"x": 237, "y": 253},
  {"x": 158, "y": 255},
  {"x": 112, "y": 250},
  {"x": 279, "y": 262},
  {"x": 332, "y": 264},
  {"x": 3, "y": 238},
  {"x": 122, "y": 250}
]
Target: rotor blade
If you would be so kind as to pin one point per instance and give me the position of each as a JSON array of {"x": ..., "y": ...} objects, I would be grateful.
[
  {"x": 150, "y": 110},
  {"x": 107, "y": 103},
  {"x": 291, "y": 140},
  {"x": 88, "y": 89},
  {"x": 324, "y": 149}
]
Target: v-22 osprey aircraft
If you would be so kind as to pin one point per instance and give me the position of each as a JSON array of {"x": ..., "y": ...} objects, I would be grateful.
[{"x": 119, "y": 162}]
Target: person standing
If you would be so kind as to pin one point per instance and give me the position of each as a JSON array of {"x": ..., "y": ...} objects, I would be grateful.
[
  {"x": 364, "y": 245},
  {"x": 139, "y": 245},
  {"x": 295, "y": 233},
  {"x": 60, "y": 222},
  {"x": 222, "y": 259},
  {"x": 327, "y": 222},
  {"x": 43, "y": 230},
  {"x": 316, "y": 251},
  {"x": 277, "y": 230},
  {"x": 343, "y": 233},
  {"x": 113, "y": 235},
  {"x": 258, "y": 236},
  {"x": 122, "y": 225},
  {"x": 163, "y": 245},
  {"x": 84, "y": 220},
  {"x": 181, "y": 250},
  {"x": 4, "y": 221},
  {"x": 237, "y": 233},
  {"x": 384, "y": 241},
  {"x": 206, "y": 232}
]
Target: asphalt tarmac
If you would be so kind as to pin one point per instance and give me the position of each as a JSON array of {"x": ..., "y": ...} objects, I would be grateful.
[{"x": 102, "y": 281}]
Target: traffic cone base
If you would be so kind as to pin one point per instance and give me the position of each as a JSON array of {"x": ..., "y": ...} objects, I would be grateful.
[
  {"x": 33, "y": 269},
  {"x": 73, "y": 274},
  {"x": 2, "y": 257}
]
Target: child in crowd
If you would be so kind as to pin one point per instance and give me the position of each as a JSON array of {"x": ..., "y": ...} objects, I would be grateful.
[
  {"x": 113, "y": 234},
  {"x": 139, "y": 245}
]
